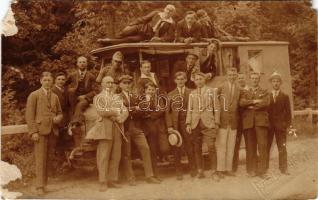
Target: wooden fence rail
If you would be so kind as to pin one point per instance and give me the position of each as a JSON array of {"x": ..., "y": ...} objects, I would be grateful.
[{"x": 15, "y": 129}]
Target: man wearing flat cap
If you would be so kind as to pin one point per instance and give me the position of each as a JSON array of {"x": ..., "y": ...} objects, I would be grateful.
[
  {"x": 134, "y": 133},
  {"x": 188, "y": 29},
  {"x": 279, "y": 120}
]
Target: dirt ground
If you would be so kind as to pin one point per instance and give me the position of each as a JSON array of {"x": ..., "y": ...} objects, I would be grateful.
[{"x": 301, "y": 184}]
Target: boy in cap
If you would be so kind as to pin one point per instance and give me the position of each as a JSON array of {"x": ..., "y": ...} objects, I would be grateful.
[
  {"x": 279, "y": 119},
  {"x": 134, "y": 133}
]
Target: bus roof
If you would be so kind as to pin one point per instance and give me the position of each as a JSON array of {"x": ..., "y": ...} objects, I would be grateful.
[{"x": 170, "y": 48}]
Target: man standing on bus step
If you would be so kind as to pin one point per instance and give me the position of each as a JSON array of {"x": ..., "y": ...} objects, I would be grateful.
[
  {"x": 229, "y": 96},
  {"x": 176, "y": 114},
  {"x": 255, "y": 102},
  {"x": 203, "y": 120},
  {"x": 241, "y": 80},
  {"x": 43, "y": 115},
  {"x": 279, "y": 119}
]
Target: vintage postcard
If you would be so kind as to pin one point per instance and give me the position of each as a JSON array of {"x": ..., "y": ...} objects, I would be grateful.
[{"x": 159, "y": 100}]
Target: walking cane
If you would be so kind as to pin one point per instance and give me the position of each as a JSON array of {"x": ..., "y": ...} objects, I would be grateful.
[{"x": 121, "y": 131}]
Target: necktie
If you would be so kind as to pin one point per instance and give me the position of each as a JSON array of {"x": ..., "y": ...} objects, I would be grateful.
[
  {"x": 275, "y": 96},
  {"x": 49, "y": 97}
]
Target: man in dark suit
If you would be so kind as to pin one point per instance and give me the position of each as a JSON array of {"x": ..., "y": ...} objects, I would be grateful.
[
  {"x": 61, "y": 91},
  {"x": 81, "y": 92},
  {"x": 176, "y": 114},
  {"x": 190, "y": 66},
  {"x": 279, "y": 119},
  {"x": 43, "y": 115},
  {"x": 188, "y": 29},
  {"x": 156, "y": 26},
  {"x": 241, "y": 80},
  {"x": 255, "y": 102},
  {"x": 134, "y": 133}
]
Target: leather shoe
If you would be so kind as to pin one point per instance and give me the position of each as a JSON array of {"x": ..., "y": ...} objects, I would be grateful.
[
  {"x": 263, "y": 176},
  {"x": 215, "y": 177},
  {"x": 220, "y": 174},
  {"x": 132, "y": 182},
  {"x": 285, "y": 173},
  {"x": 179, "y": 177},
  {"x": 251, "y": 174},
  {"x": 103, "y": 187},
  {"x": 201, "y": 175},
  {"x": 112, "y": 184},
  {"x": 229, "y": 173},
  {"x": 40, "y": 191},
  {"x": 153, "y": 180},
  {"x": 193, "y": 174}
]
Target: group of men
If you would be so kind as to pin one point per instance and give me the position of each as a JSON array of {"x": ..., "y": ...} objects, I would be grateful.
[
  {"x": 160, "y": 122},
  {"x": 159, "y": 26}
]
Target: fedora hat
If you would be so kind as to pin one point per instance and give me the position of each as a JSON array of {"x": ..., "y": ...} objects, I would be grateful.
[{"x": 174, "y": 138}]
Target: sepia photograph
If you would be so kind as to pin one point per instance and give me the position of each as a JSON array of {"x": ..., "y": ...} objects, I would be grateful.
[{"x": 159, "y": 100}]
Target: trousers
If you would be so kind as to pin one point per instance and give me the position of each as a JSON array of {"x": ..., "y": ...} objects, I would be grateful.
[
  {"x": 43, "y": 150},
  {"x": 225, "y": 141},
  {"x": 108, "y": 156},
  {"x": 136, "y": 136},
  {"x": 256, "y": 142}
]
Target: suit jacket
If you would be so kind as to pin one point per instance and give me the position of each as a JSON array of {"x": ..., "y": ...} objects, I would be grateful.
[
  {"x": 90, "y": 79},
  {"x": 65, "y": 104},
  {"x": 165, "y": 29},
  {"x": 229, "y": 106},
  {"x": 184, "y": 32},
  {"x": 177, "y": 107},
  {"x": 280, "y": 112},
  {"x": 134, "y": 120},
  {"x": 254, "y": 115},
  {"x": 107, "y": 105},
  {"x": 40, "y": 112},
  {"x": 204, "y": 107}
]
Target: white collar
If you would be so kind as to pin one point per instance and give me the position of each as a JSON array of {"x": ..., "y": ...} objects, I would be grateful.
[
  {"x": 170, "y": 20},
  {"x": 126, "y": 94},
  {"x": 84, "y": 72},
  {"x": 58, "y": 87},
  {"x": 152, "y": 77},
  {"x": 45, "y": 90},
  {"x": 275, "y": 92},
  {"x": 181, "y": 89}
]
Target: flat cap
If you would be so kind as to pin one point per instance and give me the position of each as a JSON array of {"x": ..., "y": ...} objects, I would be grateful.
[
  {"x": 192, "y": 52},
  {"x": 118, "y": 56},
  {"x": 125, "y": 77}
]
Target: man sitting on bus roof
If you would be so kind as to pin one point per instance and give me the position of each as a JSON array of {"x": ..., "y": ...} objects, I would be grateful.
[
  {"x": 188, "y": 29},
  {"x": 156, "y": 26}
]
